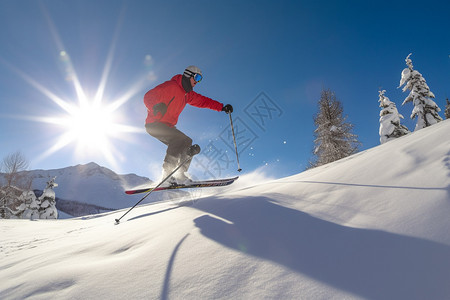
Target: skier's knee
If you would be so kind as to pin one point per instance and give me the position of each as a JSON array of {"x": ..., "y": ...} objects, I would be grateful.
[{"x": 187, "y": 143}]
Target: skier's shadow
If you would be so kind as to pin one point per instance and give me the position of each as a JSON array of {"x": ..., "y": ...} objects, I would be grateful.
[{"x": 370, "y": 263}]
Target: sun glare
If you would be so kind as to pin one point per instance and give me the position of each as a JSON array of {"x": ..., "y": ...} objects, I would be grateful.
[
  {"x": 90, "y": 126},
  {"x": 87, "y": 125}
]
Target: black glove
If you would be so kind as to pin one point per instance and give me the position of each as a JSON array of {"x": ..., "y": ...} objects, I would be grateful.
[
  {"x": 159, "y": 108},
  {"x": 228, "y": 108}
]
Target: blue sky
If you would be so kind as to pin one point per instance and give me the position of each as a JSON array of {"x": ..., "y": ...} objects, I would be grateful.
[{"x": 269, "y": 59}]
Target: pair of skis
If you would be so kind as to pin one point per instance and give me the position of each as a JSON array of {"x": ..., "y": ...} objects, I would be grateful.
[
  {"x": 190, "y": 185},
  {"x": 159, "y": 187},
  {"x": 195, "y": 149}
]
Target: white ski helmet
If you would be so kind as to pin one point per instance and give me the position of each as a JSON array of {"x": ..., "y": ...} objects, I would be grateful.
[{"x": 191, "y": 70}]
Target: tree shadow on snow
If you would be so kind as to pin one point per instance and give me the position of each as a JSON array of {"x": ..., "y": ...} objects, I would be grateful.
[{"x": 370, "y": 263}]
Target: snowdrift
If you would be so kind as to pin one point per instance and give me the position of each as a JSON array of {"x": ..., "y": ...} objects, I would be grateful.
[{"x": 372, "y": 226}]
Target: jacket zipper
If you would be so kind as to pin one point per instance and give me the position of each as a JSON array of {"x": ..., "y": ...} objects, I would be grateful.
[{"x": 170, "y": 101}]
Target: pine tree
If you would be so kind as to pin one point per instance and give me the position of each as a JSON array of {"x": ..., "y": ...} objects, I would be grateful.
[
  {"x": 333, "y": 136},
  {"x": 9, "y": 201},
  {"x": 447, "y": 110},
  {"x": 28, "y": 208},
  {"x": 425, "y": 109},
  {"x": 390, "y": 127},
  {"x": 47, "y": 201}
]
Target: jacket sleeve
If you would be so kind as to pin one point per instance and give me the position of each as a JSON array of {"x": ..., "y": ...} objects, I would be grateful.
[{"x": 201, "y": 101}]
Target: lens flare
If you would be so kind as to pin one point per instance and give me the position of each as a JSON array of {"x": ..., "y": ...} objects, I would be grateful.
[{"x": 88, "y": 125}]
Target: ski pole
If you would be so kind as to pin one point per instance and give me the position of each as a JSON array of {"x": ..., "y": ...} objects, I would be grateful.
[
  {"x": 159, "y": 184},
  {"x": 234, "y": 140}
]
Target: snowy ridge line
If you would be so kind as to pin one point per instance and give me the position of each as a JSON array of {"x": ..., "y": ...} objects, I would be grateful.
[{"x": 363, "y": 185}]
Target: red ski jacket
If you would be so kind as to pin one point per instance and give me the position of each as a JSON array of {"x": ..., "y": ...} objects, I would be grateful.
[{"x": 173, "y": 95}]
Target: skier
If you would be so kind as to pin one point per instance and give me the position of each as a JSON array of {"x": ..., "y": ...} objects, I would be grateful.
[{"x": 164, "y": 104}]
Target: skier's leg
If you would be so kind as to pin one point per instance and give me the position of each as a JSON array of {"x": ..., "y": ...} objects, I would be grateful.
[
  {"x": 177, "y": 144},
  {"x": 187, "y": 155}
]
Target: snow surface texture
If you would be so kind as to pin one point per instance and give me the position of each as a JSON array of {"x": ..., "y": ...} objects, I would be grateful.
[{"x": 371, "y": 226}]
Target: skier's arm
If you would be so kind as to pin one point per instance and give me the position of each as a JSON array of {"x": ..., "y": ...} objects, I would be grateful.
[{"x": 201, "y": 101}]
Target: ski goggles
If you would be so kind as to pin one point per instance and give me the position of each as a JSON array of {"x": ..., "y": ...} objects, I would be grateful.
[{"x": 197, "y": 77}]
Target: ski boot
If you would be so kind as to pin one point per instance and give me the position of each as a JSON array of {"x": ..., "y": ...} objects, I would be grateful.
[{"x": 193, "y": 150}]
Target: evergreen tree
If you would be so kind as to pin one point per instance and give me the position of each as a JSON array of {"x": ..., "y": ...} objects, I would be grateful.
[
  {"x": 425, "y": 109},
  {"x": 390, "y": 127},
  {"x": 31, "y": 210},
  {"x": 28, "y": 208},
  {"x": 333, "y": 136},
  {"x": 9, "y": 201},
  {"x": 447, "y": 110},
  {"x": 47, "y": 201}
]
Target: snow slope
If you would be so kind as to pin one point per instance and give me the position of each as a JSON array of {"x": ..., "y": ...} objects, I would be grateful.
[{"x": 372, "y": 226}]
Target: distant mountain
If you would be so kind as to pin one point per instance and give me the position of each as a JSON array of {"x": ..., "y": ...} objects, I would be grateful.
[{"x": 91, "y": 184}]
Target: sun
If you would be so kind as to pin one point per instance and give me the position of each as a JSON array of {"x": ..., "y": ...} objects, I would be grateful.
[
  {"x": 88, "y": 125},
  {"x": 91, "y": 126}
]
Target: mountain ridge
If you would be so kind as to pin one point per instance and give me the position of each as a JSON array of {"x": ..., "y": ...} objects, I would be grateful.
[{"x": 90, "y": 183}]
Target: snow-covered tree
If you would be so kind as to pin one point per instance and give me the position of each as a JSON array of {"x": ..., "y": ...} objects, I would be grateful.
[
  {"x": 425, "y": 109},
  {"x": 390, "y": 127},
  {"x": 447, "y": 110},
  {"x": 16, "y": 203},
  {"x": 9, "y": 200},
  {"x": 47, "y": 201},
  {"x": 333, "y": 136},
  {"x": 19, "y": 204},
  {"x": 29, "y": 205}
]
